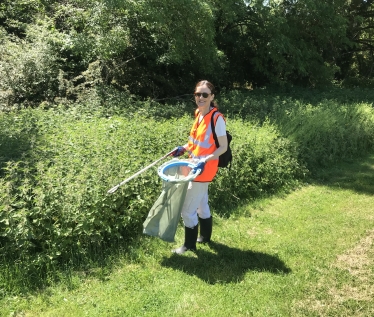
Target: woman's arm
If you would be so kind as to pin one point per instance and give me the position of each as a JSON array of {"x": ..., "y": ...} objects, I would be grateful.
[
  {"x": 222, "y": 140},
  {"x": 220, "y": 129}
]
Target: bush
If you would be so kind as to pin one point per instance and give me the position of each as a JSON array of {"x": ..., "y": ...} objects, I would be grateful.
[{"x": 28, "y": 69}]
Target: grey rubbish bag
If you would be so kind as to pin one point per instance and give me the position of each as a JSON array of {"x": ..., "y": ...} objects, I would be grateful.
[{"x": 163, "y": 218}]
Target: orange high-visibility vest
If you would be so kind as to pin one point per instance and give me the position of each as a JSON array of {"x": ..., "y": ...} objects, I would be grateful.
[{"x": 201, "y": 144}]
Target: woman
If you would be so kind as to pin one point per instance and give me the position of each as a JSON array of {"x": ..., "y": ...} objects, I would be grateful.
[{"x": 201, "y": 147}]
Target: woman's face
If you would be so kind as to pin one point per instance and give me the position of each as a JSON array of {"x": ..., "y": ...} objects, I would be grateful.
[{"x": 203, "y": 97}]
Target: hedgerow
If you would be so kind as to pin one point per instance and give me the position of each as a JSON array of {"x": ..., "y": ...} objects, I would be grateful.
[
  {"x": 324, "y": 126},
  {"x": 54, "y": 195}
]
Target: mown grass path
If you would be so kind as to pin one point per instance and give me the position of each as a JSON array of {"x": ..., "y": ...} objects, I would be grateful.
[{"x": 308, "y": 253}]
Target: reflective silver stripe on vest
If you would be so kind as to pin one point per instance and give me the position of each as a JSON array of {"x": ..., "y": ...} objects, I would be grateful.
[{"x": 204, "y": 144}]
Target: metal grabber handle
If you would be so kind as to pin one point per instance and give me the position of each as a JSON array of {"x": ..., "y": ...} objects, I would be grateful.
[{"x": 112, "y": 190}]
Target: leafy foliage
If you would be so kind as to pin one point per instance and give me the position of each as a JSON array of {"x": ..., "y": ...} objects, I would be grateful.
[
  {"x": 157, "y": 49},
  {"x": 28, "y": 68},
  {"x": 356, "y": 62}
]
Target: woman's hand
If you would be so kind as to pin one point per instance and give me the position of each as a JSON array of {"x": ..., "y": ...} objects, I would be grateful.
[{"x": 178, "y": 151}]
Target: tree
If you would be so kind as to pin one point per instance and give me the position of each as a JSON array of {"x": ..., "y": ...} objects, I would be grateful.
[
  {"x": 15, "y": 15},
  {"x": 358, "y": 59},
  {"x": 160, "y": 48},
  {"x": 280, "y": 42}
]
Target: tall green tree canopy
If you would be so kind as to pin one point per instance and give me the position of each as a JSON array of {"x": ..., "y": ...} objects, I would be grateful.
[{"x": 158, "y": 48}]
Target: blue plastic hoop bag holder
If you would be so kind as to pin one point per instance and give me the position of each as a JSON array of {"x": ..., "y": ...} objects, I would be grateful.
[
  {"x": 163, "y": 218},
  {"x": 177, "y": 171}
]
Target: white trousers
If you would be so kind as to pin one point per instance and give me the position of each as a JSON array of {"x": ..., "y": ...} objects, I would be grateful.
[{"x": 195, "y": 203}]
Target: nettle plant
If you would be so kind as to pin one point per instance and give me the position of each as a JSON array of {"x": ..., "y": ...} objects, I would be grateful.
[{"x": 54, "y": 198}]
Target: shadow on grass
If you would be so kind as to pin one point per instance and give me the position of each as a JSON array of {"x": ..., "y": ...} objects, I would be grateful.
[
  {"x": 357, "y": 176},
  {"x": 223, "y": 264}
]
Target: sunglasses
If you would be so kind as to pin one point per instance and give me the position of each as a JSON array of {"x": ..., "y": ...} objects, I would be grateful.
[{"x": 204, "y": 94}]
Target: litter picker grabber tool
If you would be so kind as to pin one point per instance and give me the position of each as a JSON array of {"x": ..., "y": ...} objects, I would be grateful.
[{"x": 112, "y": 190}]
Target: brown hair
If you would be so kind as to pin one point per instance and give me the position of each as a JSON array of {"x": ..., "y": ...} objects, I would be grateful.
[{"x": 211, "y": 88}]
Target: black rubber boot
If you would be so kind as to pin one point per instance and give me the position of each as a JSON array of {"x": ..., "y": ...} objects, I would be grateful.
[
  {"x": 190, "y": 236},
  {"x": 206, "y": 226}
]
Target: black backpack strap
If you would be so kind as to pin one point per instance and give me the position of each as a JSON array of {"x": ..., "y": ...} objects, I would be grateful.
[{"x": 214, "y": 129}]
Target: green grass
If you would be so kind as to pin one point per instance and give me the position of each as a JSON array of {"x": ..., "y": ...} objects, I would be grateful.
[{"x": 306, "y": 253}]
